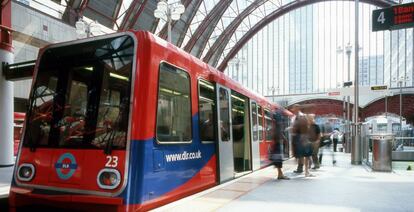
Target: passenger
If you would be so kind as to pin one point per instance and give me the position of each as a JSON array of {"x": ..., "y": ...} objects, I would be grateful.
[
  {"x": 296, "y": 149},
  {"x": 224, "y": 128},
  {"x": 207, "y": 129},
  {"x": 325, "y": 143},
  {"x": 238, "y": 144},
  {"x": 314, "y": 138},
  {"x": 296, "y": 110},
  {"x": 276, "y": 152},
  {"x": 224, "y": 109},
  {"x": 303, "y": 147},
  {"x": 334, "y": 137}
]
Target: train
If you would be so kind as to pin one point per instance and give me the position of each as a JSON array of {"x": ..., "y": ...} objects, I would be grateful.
[{"x": 130, "y": 122}]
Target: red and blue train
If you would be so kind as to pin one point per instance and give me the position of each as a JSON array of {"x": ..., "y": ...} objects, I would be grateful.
[{"x": 129, "y": 122}]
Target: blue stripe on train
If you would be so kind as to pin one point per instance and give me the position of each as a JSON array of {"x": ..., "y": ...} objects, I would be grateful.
[{"x": 151, "y": 176}]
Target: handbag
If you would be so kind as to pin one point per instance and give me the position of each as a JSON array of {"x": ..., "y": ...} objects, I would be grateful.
[{"x": 325, "y": 142}]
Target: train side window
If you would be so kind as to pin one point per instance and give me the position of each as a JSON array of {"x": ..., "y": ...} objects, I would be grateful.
[
  {"x": 207, "y": 111},
  {"x": 174, "y": 106},
  {"x": 224, "y": 114},
  {"x": 254, "y": 122},
  {"x": 260, "y": 114},
  {"x": 269, "y": 125}
]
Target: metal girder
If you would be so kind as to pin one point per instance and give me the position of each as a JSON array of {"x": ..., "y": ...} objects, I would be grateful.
[
  {"x": 180, "y": 27},
  {"x": 214, "y": 52},
  {"x": 134, "y": 10},
  {"x": 143, "y": 18},
  {"x": 83, "y": 6},
  {"x": 19, "y": 71},
  {"x": 280, "y": 12},
  {"x": 200, "y": 38},
  {"x": 72, "y": 12},
  {"x": 106, "y": 12}
]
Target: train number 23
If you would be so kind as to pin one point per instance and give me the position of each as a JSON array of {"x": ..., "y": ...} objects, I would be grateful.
[{"x": 112, "y": 161}]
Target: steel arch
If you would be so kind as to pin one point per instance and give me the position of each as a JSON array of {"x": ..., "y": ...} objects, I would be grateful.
[
  {"x": 192, "y": 7},
  {"x": 278, "y": 13},
  {"x": 204, "y": 31},
  {"x": 213, "y": 53},
  {"x": 135, "y": 9}
]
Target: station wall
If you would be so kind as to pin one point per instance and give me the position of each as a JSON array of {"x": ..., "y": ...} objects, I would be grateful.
[{"x": 335, "y": 107}]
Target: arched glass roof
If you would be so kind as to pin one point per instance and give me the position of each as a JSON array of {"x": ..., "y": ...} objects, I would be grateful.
[{"x": 209, "y": 29}]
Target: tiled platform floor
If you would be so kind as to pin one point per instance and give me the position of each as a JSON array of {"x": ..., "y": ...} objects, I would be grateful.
[
  {"x": 339, "y": 187},
  {"x": 5, "y": 180}
]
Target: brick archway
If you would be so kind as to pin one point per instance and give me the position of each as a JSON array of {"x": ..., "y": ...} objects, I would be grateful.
[
  {"x": 378, "y": 107},
  {"x": 334, "y": 107}
]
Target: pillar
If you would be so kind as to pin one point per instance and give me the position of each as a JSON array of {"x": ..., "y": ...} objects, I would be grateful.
[
  {"x": 6, "y": 114},
  {"x": 6, "y": 89}
]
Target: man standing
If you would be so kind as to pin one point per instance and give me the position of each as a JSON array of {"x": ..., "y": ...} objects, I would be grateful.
[
  {"x": 314, "y": 138},
  {"x": 335, "y": 137}
]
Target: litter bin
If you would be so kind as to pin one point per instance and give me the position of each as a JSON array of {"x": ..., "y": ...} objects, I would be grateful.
[{"x": 382, "y": 152}]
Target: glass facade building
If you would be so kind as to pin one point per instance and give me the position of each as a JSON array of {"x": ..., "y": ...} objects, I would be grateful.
[{"x": 300, "y": 52}]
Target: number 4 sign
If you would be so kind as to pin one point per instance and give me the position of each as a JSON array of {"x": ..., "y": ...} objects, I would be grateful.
[
  {"x": 399, "y": 16},
  {"x": 382, "y": 19}
]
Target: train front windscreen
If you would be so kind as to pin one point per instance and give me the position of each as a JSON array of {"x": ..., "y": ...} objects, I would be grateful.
[{"x": 81, "y": 96}]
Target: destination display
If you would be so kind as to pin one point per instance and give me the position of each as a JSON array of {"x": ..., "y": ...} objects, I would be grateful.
[{"x": 396, "y": 17}]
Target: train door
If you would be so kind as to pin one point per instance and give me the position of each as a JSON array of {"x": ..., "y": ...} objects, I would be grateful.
[
  {"x": 225, "y": 135},
  {"x": 254, "y": 135},
  {"x": 207, "y": 113},
  {"x": 241, "y": 133}
]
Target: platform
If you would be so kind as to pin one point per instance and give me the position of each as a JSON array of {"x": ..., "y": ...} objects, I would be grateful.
[
  {"x": 339, "y": 187},
  {"x": 5, "y": 180}
]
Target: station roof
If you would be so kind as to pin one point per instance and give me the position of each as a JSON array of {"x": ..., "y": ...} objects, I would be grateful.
[{"x": 212, "y": 30}]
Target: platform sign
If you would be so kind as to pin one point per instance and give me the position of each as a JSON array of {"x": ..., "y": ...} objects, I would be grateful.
[
  {"x": 379, "y": 88},
  {"x": 348, "y": 84},
  {"x": 362, "y": 91},
  {"x": 396, "y": 17},
  {"x": 334, "y": 93}
]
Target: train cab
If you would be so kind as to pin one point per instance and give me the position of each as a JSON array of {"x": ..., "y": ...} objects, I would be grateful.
[{"x": 129, "y": 122}]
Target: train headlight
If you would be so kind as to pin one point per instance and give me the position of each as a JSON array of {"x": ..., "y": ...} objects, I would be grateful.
[
  {"x": 26, "y": 172},
  {"x": 109, "y": 178}
]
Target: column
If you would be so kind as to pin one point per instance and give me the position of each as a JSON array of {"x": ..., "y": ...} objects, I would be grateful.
[{"x": 6, "y": 89}]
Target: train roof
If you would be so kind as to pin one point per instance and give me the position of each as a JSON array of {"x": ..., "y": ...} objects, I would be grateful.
[
  {"x": 218, "y": 75},
  {"x": 230, "y": 83}
]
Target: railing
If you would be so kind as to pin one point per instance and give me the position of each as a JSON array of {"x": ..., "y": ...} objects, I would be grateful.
[
  {"x": 401, "y": 145},
  {"x": 401, "y": 142}
]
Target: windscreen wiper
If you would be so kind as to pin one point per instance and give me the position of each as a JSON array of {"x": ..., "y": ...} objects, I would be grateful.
[
  {"x": 32, "y": 143},
  {"x": 109, "y": 143}
]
